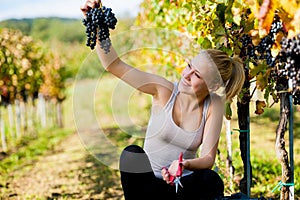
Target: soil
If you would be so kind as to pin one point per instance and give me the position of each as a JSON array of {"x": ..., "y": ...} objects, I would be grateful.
[{"x": 67, "y": 172}]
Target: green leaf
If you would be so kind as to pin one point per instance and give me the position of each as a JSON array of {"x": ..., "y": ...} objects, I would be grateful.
[
  {"x": 200, "y": 40},
  {"x": 206, "y": 44},
  {"x": 229, "y": 51},
  {"x": 220, "y": 41},
  {"x": 190, "y": 27},
  {"x": 197, "y": 25},
  {"x": 228, "y": 111},
  {"x": 249, "y": 25},
  {"x": 219, "y": 30},
  {"x": 221, "y": 12},
  {"x": 203, "y": 2}
]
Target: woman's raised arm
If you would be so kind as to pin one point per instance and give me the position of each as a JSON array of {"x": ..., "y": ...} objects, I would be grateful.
[{"x": 144, "y": 82}]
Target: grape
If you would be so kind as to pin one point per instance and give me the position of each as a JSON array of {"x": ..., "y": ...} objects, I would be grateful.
[
  {"x": 286, "y": 65},
  {"x": 98, "y": 21}
]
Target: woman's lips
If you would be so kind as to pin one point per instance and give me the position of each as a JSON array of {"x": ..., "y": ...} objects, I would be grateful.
[{"x": 185, "y": 82}]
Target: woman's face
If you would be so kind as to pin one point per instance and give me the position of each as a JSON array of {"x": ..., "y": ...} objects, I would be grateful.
[{"x": 192, "y": 81}]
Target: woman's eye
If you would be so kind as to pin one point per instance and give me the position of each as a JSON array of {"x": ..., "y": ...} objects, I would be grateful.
[
  {"x": 189, "y": 66},
  {"x": 197, "y": 75}
]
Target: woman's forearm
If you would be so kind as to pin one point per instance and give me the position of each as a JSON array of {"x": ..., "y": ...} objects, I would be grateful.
[
  {"x": 106, "y": 58},
  {"x": 206, "y": 162}
]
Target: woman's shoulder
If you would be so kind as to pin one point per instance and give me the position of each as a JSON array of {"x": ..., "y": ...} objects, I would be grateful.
[
  {"x": 217, "y": 103},
  {"x": 164, "y": 93}
]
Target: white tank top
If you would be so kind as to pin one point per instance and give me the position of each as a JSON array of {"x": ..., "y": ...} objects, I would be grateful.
[{"x": 165, "y": 140}]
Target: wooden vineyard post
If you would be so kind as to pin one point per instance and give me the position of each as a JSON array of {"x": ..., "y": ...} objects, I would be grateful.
[
  {"x": 42, "y": 109},
  {"x": 229, "y": 151},
  {"x": 244, "y": 137},
  {"x": 59, "y": 116},
  {"x": 2, "y": 130},
  {"x": 18, "y": 118},
  {"x": 291, "y": 145},
  {"x": 11, "y": 120}
]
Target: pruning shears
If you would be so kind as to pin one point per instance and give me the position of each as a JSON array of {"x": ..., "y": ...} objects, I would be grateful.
[{"x": 176, "y": 179}]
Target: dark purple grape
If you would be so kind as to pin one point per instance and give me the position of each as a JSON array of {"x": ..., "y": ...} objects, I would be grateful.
[
  {"x": 98, "y": 21},
  {"x": 285, "y": 66}
]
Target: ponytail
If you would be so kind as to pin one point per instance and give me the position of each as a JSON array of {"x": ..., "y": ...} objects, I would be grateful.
[
  {"x": 236, "y": 81},
  {"x": 231, "y": 71}
]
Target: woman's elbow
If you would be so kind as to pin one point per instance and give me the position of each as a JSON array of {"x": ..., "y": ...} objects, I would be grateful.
[{"x": 210, "y": 162}]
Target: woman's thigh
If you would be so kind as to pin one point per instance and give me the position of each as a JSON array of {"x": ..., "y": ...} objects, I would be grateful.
[
  {"x": 201, "y": 184},
  {"x": 138, "y": 179}
]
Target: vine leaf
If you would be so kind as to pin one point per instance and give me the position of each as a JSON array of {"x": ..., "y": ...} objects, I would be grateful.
[
  {"x": 260, "y": 105},
  {"x": 261, "y": 81},
  {"x": 290, "y": 6},
  {"x": 255, "y": 70},
  {"x": 266, "y": 14},
  {"x": 228, "y": 111}
]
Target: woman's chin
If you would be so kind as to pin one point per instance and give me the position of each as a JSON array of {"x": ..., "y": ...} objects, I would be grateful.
[{"x": 185, "y": 90}]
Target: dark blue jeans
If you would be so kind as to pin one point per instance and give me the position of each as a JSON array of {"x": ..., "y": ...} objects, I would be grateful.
[{"x": 140, "y": 183}]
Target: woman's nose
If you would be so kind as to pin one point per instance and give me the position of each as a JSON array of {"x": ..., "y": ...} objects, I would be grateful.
[{"x": 188, "y": 73}]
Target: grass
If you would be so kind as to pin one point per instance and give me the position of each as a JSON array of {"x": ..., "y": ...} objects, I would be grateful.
[
  {"x": 266, "y": 168},
  {"x": 27, "y": 151}
]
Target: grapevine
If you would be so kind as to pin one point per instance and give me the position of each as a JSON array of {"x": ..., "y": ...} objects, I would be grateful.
[
  {"x": 98, "y": 21},
  {"x": 263, "y": 50},
  {"x": 286, "y": 65}
]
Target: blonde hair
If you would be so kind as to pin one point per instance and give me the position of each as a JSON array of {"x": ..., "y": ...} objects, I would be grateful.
[{"x": 231, "y": 70}]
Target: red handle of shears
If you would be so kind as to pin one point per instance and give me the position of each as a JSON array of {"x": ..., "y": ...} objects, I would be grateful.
[{"x": 179, "y": 169}]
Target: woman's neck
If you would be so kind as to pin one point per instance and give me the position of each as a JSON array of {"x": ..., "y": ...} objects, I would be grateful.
[{"x": 190, "y": 102}]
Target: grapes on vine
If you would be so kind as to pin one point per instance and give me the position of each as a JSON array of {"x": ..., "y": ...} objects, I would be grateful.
[
  {"x": 263, "y": 50},
  {"x": 286, "y": 65},
  {"x": 98, "y": 21}
]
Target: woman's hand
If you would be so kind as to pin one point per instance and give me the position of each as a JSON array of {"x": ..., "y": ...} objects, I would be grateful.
[
  {"x": 166, "y": 173},
  {"x": 88, "y": 5}
]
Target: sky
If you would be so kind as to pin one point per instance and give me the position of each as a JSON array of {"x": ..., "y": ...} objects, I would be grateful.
[{"x": 60, "y": 8}]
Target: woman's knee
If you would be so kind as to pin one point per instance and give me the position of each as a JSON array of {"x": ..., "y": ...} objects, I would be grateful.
[
  {"x": 134, "y": 148},
  {"x": 134, "y": 160}
]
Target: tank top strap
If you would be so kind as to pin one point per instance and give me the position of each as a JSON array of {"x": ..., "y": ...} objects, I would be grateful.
[
  {"x": 206, "y": 106},
  {"x": 169, "y": 105}
]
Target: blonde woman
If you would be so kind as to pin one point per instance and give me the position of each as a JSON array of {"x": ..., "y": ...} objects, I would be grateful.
[{"x": 185, "y": 116}]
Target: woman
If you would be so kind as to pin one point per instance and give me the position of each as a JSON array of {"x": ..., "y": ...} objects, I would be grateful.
[{"x": 185, "y": 117}]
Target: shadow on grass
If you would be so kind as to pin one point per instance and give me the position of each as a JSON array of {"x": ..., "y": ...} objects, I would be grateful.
[{"x": 104, "y": 181}]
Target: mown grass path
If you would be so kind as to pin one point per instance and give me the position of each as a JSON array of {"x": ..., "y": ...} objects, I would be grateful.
[{"x": 67, "y": 172}]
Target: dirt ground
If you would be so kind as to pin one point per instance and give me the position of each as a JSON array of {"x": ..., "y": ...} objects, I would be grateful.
[{"x": 67, "y": 172}]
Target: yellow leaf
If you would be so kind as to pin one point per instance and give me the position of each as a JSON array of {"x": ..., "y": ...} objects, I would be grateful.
[
  {"x": 289, "y": 6},
  {"x": 261, "y": 81},
  {"x": 260, "y": 105},
  {"x": 266, "y": 14},
  {"x": 253, "y": 4}
]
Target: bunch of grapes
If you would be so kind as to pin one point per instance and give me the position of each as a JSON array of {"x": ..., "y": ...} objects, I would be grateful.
[
  {"x": 288, "y": 64},
  {"x": 98, "y": 21},
  {"x": 263, "y": 50}
]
